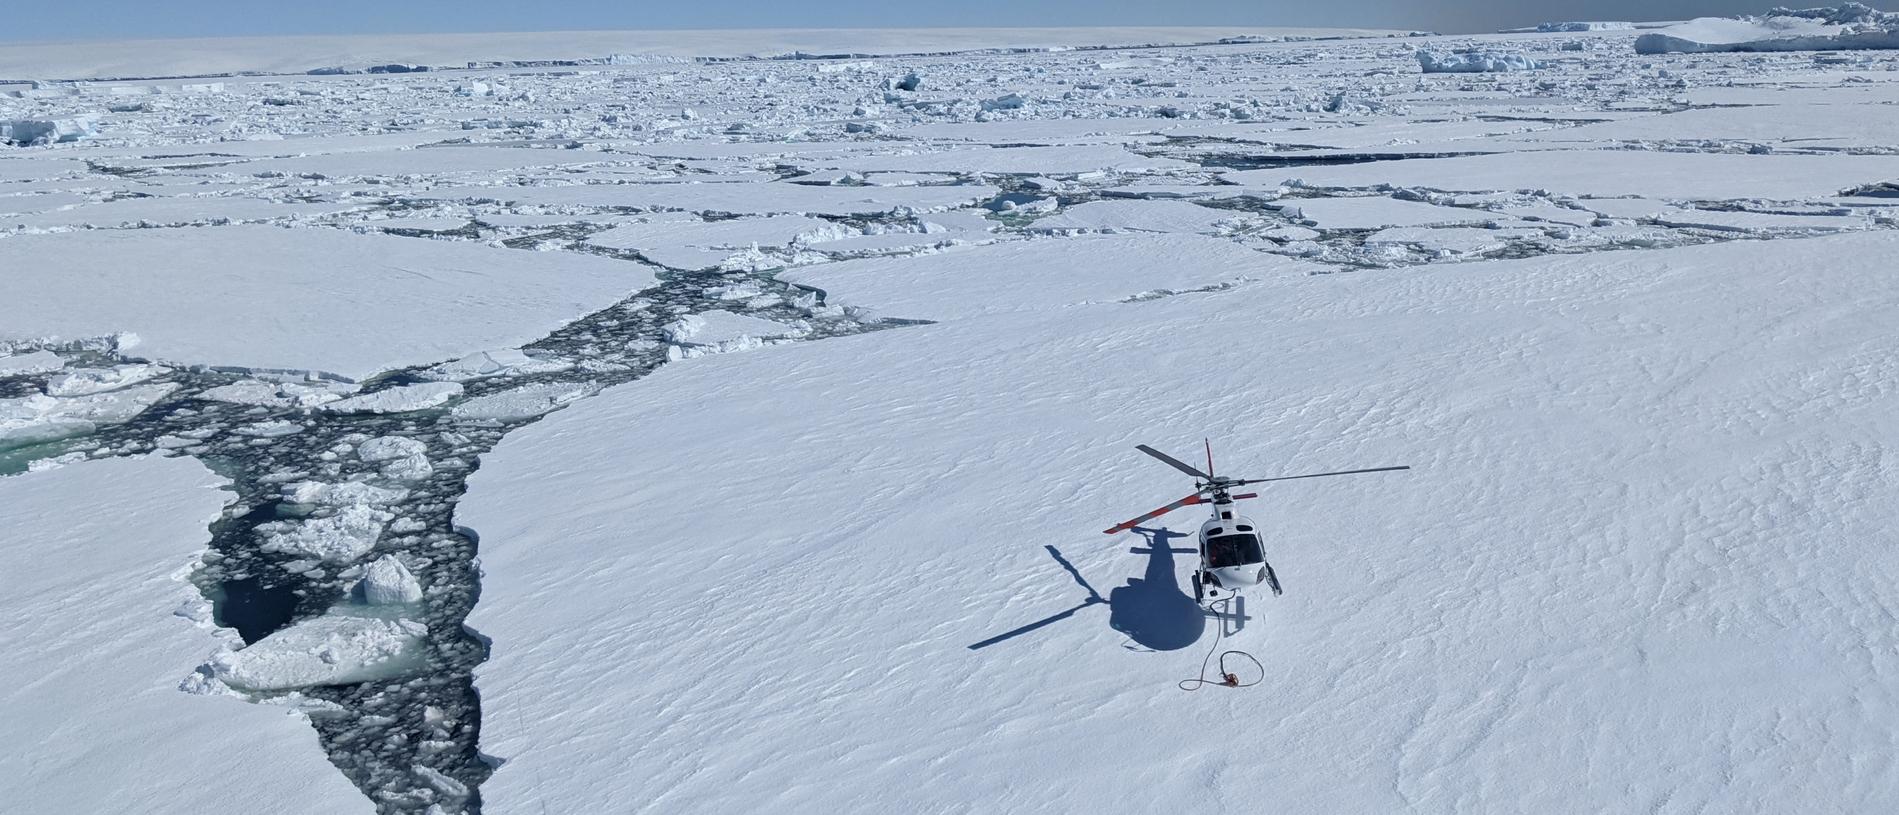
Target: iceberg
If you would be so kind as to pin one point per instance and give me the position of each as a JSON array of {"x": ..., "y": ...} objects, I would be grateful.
[
  {"x": 1473, "y": 62},
  {"x": 1852, "y": 26}
]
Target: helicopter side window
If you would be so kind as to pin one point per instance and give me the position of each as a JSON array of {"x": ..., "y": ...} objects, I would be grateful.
[{"x": 1233, "y": 550}]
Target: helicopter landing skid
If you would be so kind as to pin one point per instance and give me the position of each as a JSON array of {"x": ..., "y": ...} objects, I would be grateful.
[{"x": 1230, "y": 611}]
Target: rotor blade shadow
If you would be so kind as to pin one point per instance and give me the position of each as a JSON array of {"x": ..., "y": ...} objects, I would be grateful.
[{"x": 1094, "y": 599}]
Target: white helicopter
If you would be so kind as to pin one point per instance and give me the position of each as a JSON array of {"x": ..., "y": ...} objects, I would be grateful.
[{"x": 1231, "y": 556}]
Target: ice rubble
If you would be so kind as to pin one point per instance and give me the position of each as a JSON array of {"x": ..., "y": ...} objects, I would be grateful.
[
  {"x": 101, "y": 627},
  {"x": 1850, "y": 26},
  {"x": 1473, "y": 62}
]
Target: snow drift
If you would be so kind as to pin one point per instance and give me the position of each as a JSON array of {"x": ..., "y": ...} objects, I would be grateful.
[{"x": 1853, "y": 26}]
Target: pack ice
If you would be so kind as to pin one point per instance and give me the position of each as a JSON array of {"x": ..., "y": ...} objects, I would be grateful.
[{"x": 1626, "y": 316}]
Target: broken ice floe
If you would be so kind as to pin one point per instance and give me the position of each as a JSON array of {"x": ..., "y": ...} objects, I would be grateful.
[
  {"x": 344, "y": 536},
  {"x": 484, "y": 364},
  {"x": 333, "y": 649},
  {"x": 399, "y": 458},
  {"x": 720, "y": 331},
  {"x": 524, "y": 402},
  {"x": 400, "y": 399},
  {"x": 41, "y": 418},
  {"x": 266, "y": 393},
  {"x": 31, "y": 362}
]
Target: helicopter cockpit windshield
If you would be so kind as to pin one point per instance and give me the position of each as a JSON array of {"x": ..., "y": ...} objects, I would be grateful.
[{"x": 1224, "y": 551}]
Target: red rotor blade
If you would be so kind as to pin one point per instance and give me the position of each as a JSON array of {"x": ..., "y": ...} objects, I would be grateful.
[{"x": 1127, "y": 525}]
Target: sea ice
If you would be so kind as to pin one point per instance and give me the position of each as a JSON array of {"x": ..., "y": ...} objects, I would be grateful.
[
  {"x": 270, "y": 298},
  {"x": 334, "y": 649}
]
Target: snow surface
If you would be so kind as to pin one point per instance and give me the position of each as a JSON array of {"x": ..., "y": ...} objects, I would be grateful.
[
  {"x": 1642, "y": 558},
  {"x": 99, "y": 634},
  {"x": 965, "y": 281},
  {"x": 266, "y": 298}
]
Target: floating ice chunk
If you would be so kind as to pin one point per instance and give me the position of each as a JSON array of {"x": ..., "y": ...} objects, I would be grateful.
[
  {"x": 1473, "y": 62},
  {"x": 399, "y": 399},
  {"x": 494, "y": 363},
  {"x": 279, "y": 394},
  {"x": 401, "y": 459},
  {"x": 84, "y": 381},
  {"x": 41, "y": 418},
  {"x": 271, "y": 429},
  {"x": 340, "y": 494},
  {"x": 389, "y": 448},
  {"x": 389, "y": 583},
  {"x": 32, "y": 362},
  {"x": 523, "y": 403},
  {"x": 44, "y": 131},
  {"x": 719, "y": 327},
  {"x": 330, "y": 650},
  {"x": 339, "y": 538}
]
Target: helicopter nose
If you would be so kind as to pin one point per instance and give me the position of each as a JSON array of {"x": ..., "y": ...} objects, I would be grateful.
[{"x": 1242, "y": 576}]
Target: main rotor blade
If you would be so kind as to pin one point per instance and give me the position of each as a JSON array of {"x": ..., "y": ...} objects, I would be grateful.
[
  {"x": 1127, "y": 525},
  {"x": 1173, "y": 462},
  {"x": 1318, "y": 475}
]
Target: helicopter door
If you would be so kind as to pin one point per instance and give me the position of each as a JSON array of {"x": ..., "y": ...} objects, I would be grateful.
[{"x": 1225, "y": 551}]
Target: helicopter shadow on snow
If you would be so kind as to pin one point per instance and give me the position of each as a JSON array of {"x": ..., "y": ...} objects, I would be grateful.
[{"x": 1151, "y": 610}]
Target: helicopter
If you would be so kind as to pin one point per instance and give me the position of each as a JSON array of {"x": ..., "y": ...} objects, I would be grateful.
[{"x": 1231, "y": 555}]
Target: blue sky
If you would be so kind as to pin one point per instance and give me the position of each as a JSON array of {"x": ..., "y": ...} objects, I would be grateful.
[{"x": 115, "y": 19}]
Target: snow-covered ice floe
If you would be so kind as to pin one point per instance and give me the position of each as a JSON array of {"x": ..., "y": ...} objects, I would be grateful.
[
  {"x": 266, "y": 298},
  {"x": 101, "y": 627},
  {"x": 1643, "y": 481},
  {"x": 1850, "y": 26}
]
